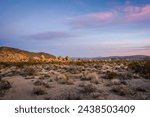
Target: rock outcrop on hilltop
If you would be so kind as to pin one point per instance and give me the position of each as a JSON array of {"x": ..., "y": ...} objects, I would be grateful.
[{"x": 8, "y": 54}]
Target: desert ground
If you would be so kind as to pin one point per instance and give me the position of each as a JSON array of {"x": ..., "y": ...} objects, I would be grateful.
[{"x": 83, "y": 80}]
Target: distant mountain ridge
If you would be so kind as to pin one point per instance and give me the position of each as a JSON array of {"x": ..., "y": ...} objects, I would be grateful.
[
  {"x": 8, "y": 54},
  {"x": 125, "y": 57}
]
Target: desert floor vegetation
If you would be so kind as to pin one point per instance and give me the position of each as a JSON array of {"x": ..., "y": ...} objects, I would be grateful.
[{"x": 103, "y": 79}]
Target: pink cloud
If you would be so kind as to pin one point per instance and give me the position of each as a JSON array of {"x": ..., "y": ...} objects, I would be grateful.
[
  {"x": 52, "y": 35},
  {"x": 127, "y": 14},
  {"x": 101, "y": 16},
  {"x": 93, "y": 19},
  {"x": 133, "y": 13}
]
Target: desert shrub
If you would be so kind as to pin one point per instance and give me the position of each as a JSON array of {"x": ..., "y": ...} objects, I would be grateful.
[
  {"x": 87, "y": 88},
  {"x": 123, "y": 82},
  {"x": 70, "y": 82},
  {"x": 46, "y": 75},
  {"x": 93, "y": 77},
  {"x": 64, "y": 79},
  {"x": 118, "y": 82},
  {"x": 19, "y": 64},
  {"x": 29, "y": 71},
  {"x": 111, "y": 75},
  {"x": 39, "y": 91},
  {"x": 73, "y": 69},
  {"x": 69, "y": 95},
  {"x": 121, "y": 90},
  {"x": 41, "y": 83},
  {"x": 62, "y": 76},
  {"x": 142, "y": 67},
  {"x": 115, "y": 81},
  {"x": 125, "y": 76},
  {"x": 95, "y": 95},
  {"x": 4, "y": 85},
  {"x": 141, "y": 89}
]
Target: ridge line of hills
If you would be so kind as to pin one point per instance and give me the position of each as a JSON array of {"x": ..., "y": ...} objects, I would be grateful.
[{"x": 9, "y": 54}]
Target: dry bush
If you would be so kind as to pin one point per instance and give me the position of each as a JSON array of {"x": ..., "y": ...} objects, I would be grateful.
[
  {"x": 87, "y": 88},
  {"x": 46, "y": 75},
  {"x": 41, "y": 83},
  {"x": 4, "y": 85},
  {"x": 121, "y": 90},
  {"x": 29, "y": 71},
  {"x": 64, "y": 79},
  {"x": 73, "y": 69},
  {"x": 95, "y": 95},
  {"x": 115, "y": 81},
  {"x": 70, "y": 82},
  {"x": 93, "y": 77},
  {"x": 70, "y": 95},
  {"x": 141, "y": 67},
  {"x": 126, "y": 75},
  {"x": 111, "y": 75},
  {"x": 141, "y": 89},
  {"x": 39, "y": 91}
]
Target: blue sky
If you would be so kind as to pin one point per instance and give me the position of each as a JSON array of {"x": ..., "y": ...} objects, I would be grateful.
[{"x": 77, "y": 28}]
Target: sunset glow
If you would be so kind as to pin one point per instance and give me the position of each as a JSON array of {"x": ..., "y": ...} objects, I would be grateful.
[{"x": 77, "y": 28}]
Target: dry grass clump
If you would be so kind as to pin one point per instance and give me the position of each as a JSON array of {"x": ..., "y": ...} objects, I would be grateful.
[
  {"x": 93, "y": 77},
  {"x": 4, "y": 85},
  {"x": 121, "y": 90},
  {"x": 87, "y": 88},
  {"x": 64, "y": 79},
  {"x": 39, "y": 91},
  {"x": 115, "y": 81}
]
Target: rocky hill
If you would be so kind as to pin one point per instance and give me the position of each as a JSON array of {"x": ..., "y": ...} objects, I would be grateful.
[{"x": 8, "y": 54}]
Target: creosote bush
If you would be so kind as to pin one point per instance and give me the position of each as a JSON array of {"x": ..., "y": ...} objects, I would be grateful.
[
  {"x": 111, "y": 75},
  {"x": 39, "y": 91},
  {"x": 29, "y": 71},
  {"x": 141, "y": 67},
  {"x": 87, "y": 88},
  {"x": 121, "y": 90},
  {"x": 4, "y": 85},
  {"x": 41, "y": 83}
]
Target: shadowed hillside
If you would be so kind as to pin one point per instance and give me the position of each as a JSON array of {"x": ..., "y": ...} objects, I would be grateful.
[{"x": 8, "y": 54}]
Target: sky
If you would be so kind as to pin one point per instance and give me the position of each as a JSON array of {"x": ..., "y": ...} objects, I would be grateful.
[{"x": 77, "y": 28}]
